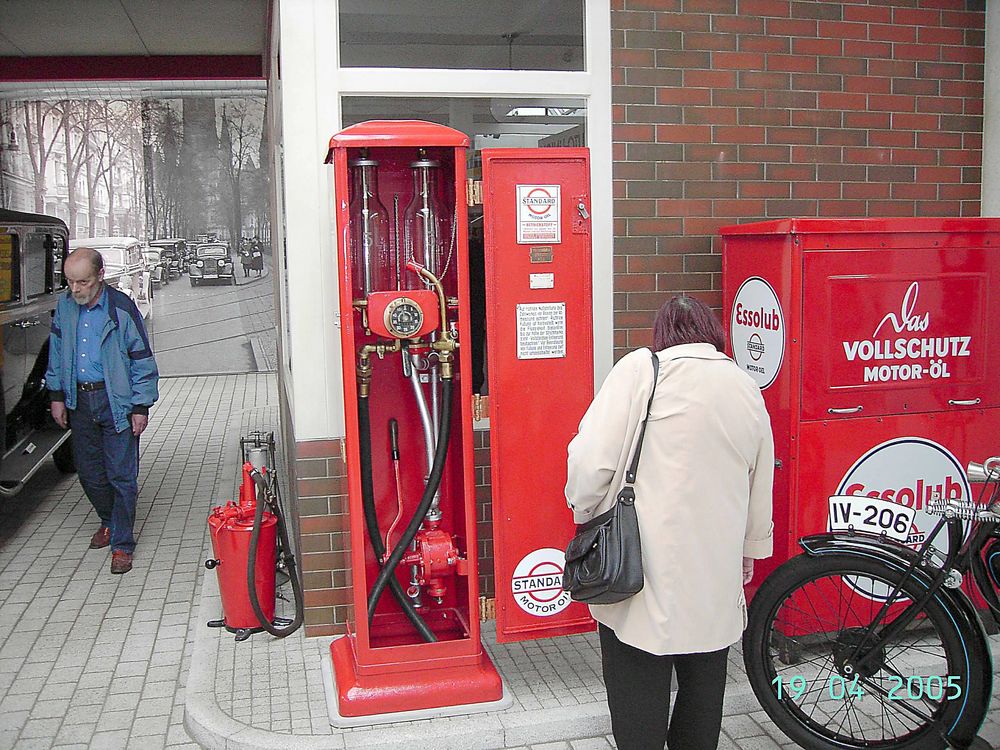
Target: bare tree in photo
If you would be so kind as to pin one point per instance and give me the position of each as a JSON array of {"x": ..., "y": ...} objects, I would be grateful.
[
  {"x": 35, "y": 118},
  {"x": 116, "y": 123},
  {"x": 74, "y": 122},
  {"x": 239, "y": 139}
]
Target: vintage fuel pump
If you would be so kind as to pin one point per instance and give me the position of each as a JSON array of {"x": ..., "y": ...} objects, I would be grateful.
[
  {"x": 402, "y": 226},
  {"x": 404, "y": 315}
]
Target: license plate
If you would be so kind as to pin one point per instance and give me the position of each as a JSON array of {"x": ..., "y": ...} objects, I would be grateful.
[{"x": 871, "y": 515}]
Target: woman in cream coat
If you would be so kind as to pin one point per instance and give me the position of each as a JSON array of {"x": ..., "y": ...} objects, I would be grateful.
[{"x": 703, "y": 500}]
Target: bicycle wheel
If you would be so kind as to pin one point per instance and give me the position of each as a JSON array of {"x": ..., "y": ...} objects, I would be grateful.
[{"x": 805, "y": 624}]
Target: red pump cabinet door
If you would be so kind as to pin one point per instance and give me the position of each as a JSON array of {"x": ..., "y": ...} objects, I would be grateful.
[{"x": 536, "y": 205}]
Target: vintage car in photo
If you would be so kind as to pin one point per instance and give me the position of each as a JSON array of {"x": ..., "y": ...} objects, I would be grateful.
[
  {"x": 32, "y": 248},
  {"x": 159, "y": 271},
  {"x": 213, "y": 261},
  {"x": 124, "y": 267},
  {"x": 174, "y": 252}
]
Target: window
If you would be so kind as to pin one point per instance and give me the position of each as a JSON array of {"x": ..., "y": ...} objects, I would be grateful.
[
  {"x": 10, "y": 276},
  {"x": 473, "y": 34},
  {"x": 37, "y": 252}
]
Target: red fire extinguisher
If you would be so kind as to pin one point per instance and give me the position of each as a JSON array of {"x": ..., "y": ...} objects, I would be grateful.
[{"x": 245, "y": 543}]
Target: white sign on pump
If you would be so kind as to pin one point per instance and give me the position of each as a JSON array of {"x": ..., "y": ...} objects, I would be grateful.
[
  {"x": 538, "y": 211},
  {"x": 757, "y": 331}
]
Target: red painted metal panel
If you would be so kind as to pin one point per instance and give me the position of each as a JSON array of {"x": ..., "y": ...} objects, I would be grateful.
[{"x": 540, "y": 354}]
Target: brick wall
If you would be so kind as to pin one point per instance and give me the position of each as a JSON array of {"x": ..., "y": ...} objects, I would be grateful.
[
  {"x": 324, "y": 540},
  {"x": 729, "y": 111}
]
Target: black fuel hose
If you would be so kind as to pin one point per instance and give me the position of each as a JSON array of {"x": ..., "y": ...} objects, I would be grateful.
[
  {"x": 433, "y": 482},
  {"x": 371, "y": 522},
  {"x": 293, "y": 575}
]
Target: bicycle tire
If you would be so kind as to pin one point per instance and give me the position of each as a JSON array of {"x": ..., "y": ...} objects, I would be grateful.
[{"x": 807, "y": 614}]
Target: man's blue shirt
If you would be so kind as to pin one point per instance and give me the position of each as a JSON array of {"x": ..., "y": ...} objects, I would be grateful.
[{"x": 88, "y": 340}]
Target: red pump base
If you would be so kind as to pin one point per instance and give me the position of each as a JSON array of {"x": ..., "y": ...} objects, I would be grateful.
[{"x": 411, "y": 686}]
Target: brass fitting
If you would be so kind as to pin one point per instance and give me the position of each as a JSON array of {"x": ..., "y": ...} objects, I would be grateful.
[{"x": 365, "y": 365}]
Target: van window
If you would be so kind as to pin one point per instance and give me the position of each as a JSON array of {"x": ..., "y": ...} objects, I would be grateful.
[
  {"x": 37, "y": 263},
  {"x": 10, "y": 277},
  {"x": 58, "y": 253}
]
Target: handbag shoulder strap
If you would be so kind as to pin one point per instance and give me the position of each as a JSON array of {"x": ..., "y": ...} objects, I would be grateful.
[{"x": 634, "y": 463}]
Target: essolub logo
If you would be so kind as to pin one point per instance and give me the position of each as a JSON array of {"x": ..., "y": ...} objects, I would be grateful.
[{"x": 757, "y": 331}]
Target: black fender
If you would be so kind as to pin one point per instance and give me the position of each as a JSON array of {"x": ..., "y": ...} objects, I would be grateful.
[{"x": 898, "y": 556}]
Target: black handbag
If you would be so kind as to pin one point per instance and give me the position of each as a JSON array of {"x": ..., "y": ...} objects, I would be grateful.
[{"x": 604, "y": 559}]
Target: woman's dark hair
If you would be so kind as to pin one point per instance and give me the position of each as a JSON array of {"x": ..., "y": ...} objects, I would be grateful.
[{"x": 686, "y": 320}]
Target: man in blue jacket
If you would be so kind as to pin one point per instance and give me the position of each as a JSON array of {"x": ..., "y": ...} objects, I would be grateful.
[{"x": 102, "y": 379}]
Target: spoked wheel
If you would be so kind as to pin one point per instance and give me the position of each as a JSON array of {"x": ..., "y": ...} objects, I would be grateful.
[{"x": 812, "y": 665}]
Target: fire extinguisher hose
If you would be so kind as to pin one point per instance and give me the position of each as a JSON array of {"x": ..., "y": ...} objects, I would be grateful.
[
  {"x": 293, "y": 574},
  {"x": 371, "y": 522},
  {"x": 433, "y": 482}
]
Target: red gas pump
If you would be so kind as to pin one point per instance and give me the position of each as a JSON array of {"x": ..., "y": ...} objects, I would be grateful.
[{"x": 404, "y": 315}]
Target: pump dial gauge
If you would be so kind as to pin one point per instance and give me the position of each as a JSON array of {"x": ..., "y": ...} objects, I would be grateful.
[{"x": 403, "y": 318}]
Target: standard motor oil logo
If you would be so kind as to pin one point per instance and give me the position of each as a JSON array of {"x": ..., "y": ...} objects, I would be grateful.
[
  {"x": 757, "y": 331},
  {"x": 537, "y": 583},
  {"x": 908, "y": 471}
]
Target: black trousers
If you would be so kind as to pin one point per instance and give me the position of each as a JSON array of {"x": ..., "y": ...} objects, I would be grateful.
[{"x": 638, "y": 685}]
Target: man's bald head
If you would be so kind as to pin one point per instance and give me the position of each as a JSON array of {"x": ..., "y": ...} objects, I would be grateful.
[{"x": 84, "y": 272}]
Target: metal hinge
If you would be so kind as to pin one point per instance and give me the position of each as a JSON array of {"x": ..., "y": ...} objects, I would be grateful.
[
  {"x": 487, "y": 609},
  {"x": 480, "y": 407},
  {"x": 474, "y": 192}
]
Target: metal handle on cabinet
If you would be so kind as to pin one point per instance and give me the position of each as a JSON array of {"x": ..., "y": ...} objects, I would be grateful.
[
  {"x": 848, "y": 410},
  {"x": 28, "y": 323},
  {"x": 964, "y": 402}
]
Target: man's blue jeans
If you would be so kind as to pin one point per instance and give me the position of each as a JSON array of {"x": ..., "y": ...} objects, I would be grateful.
[{"x": 107, "y": 463}]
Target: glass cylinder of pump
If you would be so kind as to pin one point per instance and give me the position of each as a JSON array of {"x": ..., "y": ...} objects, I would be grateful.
[
  {"x": 423, "y": 223},
  {"x": 373, "y": 265}
]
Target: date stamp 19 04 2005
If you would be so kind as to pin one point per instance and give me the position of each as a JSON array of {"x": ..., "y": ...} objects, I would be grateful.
[{"x": 895, "y": 688}]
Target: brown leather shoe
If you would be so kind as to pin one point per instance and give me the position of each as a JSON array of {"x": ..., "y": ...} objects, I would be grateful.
[
  {"x": 121, "y": 562},
  {"x": 101, "y": 538}
]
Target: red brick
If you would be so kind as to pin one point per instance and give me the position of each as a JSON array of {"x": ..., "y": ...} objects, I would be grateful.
[
  {"x": 697, "y": 96},
  {"x": 975, "y": 20},
  {"x": 892, "y": 33},
  {"x": 842, "y": 137},
  {"x": 891, "y": 208},
  {"x": 661, "y": 5},
  {"x": 782, "y": 208},
  {"x": 914, "y": 191},
  {"x": 913, "y": 156},
  {"x": 735, "y": 209},
  {"x": 709, "y": 263},
  {"x": 623, "y": 19},
  {"x": 765, "y": 189},
  {"x": 850, "y": 66},
  {"x": 653, "y": 152},
  {"x": 684, "y": 59},
  {"x": 741, "y": 98},
  {"x": 808, "y": 9},
  {"x": 843, "y": 30},
  {"x": 839, "y": 100},
  {"x": 791, "y": 99},
  {"x": 844, "y": 208},
  {"x": 793, "y": 136},
  {"x": 682, "y": 171},
  {"x": 938, "y": 208},
  {"x": 815, "y": 190},
  {"x": 813, "y": 118},
  {"x": 939, "y": 70},
  {"x": 710, "y": 115},
  {"x": 320, "y": 487},
  {"x": 764, "y": 116},
  {"x": 942, "y": 104},
  {"x": 966, "y": 156},
  {"x": 868, "y": 84},
  {"x": 768, "y": 44},
  {"x": 654, "y": 227},
  {"x": 892, "y": 103},
  {"x": 738, "y": 61},
  {"x": 710, "y": 226},
  {"x": 683, "y": 21},
  {"x": 680, "y": 282},
  {"x": 867, "y": 155},
  {"x": 841, "y": 172},
  {"x": 817, "y": 82},
  {"x": 710, "y": 6},
  {"x": 653, "y": 77},
  {"x": 791, "y": 172},
  {"x": 938, "y": 174},
  {"x": 819, "y": 47},
  {"x": 891, "y": 174},
  {"x": 316, "y": 543},
  {"x": 919, "y": 86},
  {"x": 748, "y": 134},
  {"x": 709, "y": 189},
  {"x": 710, "y": 152},
  {"x": 694, "y": 40},
  {"x": 712, "y": 79},
  {"x": 937, "y": 35},
  {"x": 916, "y": 51},
  {"x": 636, "y": 282},
  {"x": 653, "y": 264},
  {"x": 633, "y": 94},
  {"x": 791, "y": 27},
  {"x": 792, "y": 63},
  {"x": 916, "y": 17},
  {"x": 962, "y": 123},
  {"x": 683, "y": 133},
  {"x": 737, "y": 171},
  {"x": 867, "y": 119},
  {"x": 867, "y": 14},
  {"x": 652, "y": 113},
  {"x": 766, "y": 153},
  {"x": 683, "y": 207},
  {"x": 322, "y": 524},
  {"x": 865, "y": 190},
  {"x": 939, "y": 140},
  {"x": 633, "y": 170},
  {"x": 317, "y": 448},
  {"x": 655, "y": 40},
  {"x": 972, "y": 56},
  {"x": 765, "y": 8},
  {"x": 915, "y": 121},
  {"x": 658, "y": 188},
  {"x": 761, "y": 80},
  {"x": 625, "y": 207},
  {"x": 898, "y": 138},
  {"x": 817, "y": 154},
  {"x": 960, "y": 192},
  {"x": 635, "y": 58},
  {"x": 326, "y": 597},
  {"x": 878, "y": 66},
  {"x": 633, "y": 132},
  {"x": 740, "y": 24}
]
